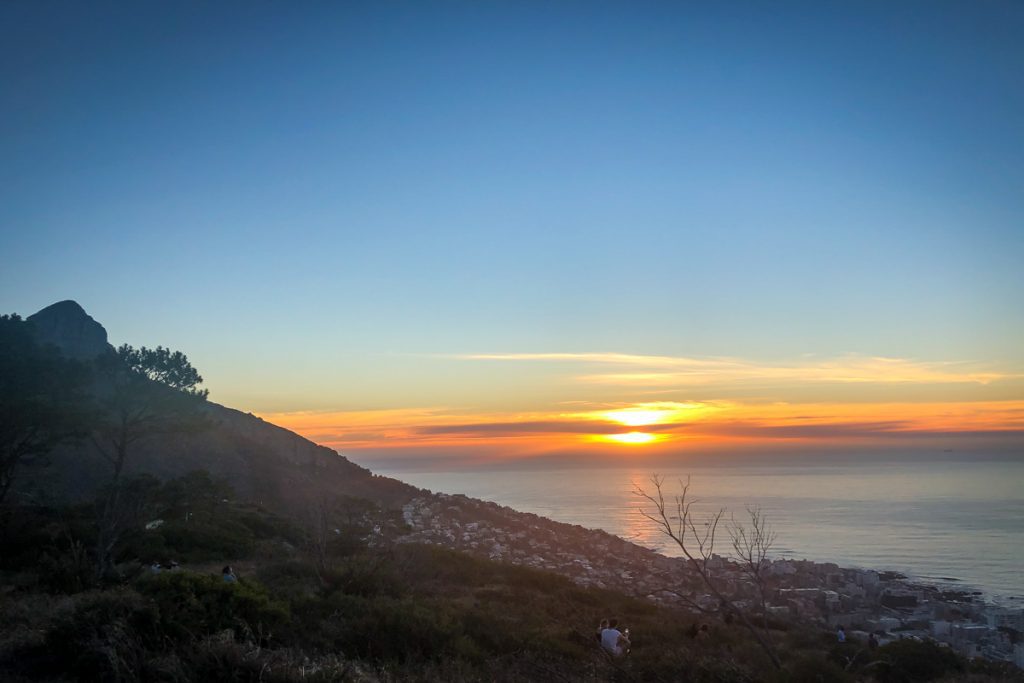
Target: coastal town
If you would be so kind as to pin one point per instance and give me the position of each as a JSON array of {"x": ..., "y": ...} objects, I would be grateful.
[{"x": 871, "y": 607}]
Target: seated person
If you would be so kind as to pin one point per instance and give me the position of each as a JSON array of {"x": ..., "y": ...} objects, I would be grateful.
[{"x": 613, "y": 640}]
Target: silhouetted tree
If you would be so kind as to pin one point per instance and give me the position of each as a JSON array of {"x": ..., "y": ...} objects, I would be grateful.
[
  {"x": 146, "y": 393},
  {"x": 752, "y": 540},
  {"x": 41, "y": 399},
  {"x": 195, "y": 492}
]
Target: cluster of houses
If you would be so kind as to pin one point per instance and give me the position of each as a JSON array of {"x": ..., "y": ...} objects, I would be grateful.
[{"x": 892, "y": 607}]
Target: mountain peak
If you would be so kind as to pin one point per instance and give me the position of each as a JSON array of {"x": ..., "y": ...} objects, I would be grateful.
[{"x": 67, "y": 326}]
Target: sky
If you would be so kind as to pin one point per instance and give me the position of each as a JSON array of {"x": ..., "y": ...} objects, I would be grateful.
[{"x": 466, "y": 233}]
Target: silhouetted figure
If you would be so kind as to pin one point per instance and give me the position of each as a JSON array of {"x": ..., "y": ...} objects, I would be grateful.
[
  {"x": 727, "y": 613},
  {"x": 614, "y": 641},
  {"x": 228, "y": 575},
  {"x": 872, "y": 641},
  {"x": 841, "y": 635}
]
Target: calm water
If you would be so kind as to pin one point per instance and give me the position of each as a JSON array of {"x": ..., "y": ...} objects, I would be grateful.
[{"x": 959, "y": 519}]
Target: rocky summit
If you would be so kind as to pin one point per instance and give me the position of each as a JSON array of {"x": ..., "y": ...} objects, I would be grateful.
[{"x": 67, "y": 326}]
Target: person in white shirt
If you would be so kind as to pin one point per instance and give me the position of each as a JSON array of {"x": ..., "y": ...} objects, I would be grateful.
[{"x": 613, "y": 640}]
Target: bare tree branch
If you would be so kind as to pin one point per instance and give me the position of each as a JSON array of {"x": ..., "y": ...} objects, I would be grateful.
[{"x": 696, "y": 539}]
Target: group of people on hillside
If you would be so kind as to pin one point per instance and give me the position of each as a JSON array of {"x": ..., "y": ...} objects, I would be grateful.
[
  {"x": 617, "y": 644},
  {"x": 841, "y": 638},
  {"x": 614, "y": 641},
  {"x": 156, "y": 567},
  {"x": 699, "y": 632}
]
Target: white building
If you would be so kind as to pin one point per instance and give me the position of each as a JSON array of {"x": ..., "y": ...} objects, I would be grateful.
[{"x": 1018, "y": 655}]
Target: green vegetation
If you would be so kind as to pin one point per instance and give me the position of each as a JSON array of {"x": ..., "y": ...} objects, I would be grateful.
[
  {"x": 375, "y": 610},
  {"x": 117, "y": 400}
]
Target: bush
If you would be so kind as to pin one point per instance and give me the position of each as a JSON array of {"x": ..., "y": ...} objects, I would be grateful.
[
  {"x": 365, "y": 574},
  {"x": 292, "y": 580},
  {"x": 909, "y": 660},
  {"x": 194, "y": 605},
  {"x": 200, "y": 524},
  {"x": 265, "y": 526},
  {"x": 815, "y": 669},
  {"x": 196, "y": 541},
  {"x": 104, "y": 636},
  {"x": 399, "y": 630}
]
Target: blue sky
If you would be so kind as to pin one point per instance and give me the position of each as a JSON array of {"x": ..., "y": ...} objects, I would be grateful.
[{"x": 316, "y": 201}]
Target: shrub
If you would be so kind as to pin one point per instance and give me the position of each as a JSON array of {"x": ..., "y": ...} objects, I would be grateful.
[
  {"x": 810, "y": 668},
  {"x": 398, "y": 630},
  {"x": 365, "y": 574},
  {"x": 104, "y": 636},
  {"x": 195, "y": 541},
  {"x": 264, "y": 526},
  {"x": 909, "y": 660},
  {"x": 194, "y": 605},
  {"x": 67, "y": 568},
  {"x": 292, "y": 580}
]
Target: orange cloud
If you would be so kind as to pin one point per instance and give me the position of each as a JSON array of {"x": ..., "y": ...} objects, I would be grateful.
[
  {"x": 868, "y": 414},
  {"x": 662, "y": 425}
]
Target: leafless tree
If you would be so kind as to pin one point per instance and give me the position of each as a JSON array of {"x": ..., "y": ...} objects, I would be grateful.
[
  {"x": 696, "y": 537},
  {"x": 338, "y": 529},
  {"x": 751, "y": 542},
  {"x": 123, "y": 506},
  {"x": 319, "y": 528}
]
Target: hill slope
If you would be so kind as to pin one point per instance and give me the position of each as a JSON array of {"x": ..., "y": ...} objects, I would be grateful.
[{"x": 261, "y": 461}]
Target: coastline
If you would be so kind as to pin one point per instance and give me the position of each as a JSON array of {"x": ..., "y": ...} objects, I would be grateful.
[
  {"x": 863, "y": 515},
  {"x": 891, "y": 604}
]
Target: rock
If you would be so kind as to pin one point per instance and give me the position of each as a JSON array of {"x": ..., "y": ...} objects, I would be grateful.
[{"x": 68, "y": 327}]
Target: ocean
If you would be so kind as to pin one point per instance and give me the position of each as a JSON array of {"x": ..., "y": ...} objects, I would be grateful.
[{"x": 950, "y": 521}]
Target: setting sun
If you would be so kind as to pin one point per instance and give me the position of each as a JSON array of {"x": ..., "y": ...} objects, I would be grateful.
[
  {"x": 631, "y": 438},
  {"x": 654, "y": 413},
  {"x": 637, "y": 418}
]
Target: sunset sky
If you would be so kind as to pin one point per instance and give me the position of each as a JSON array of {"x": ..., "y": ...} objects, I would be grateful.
[{"x": 467, "y": 233}]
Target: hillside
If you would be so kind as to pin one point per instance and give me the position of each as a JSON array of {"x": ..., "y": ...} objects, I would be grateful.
[{"x": 262, "y": 461}]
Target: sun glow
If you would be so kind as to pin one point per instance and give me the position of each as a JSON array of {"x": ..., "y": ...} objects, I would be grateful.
[
  {"x": 631, "y": 438},
  {"x": 643, "y": 414},
  {"x": 636, "y": 418}
]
